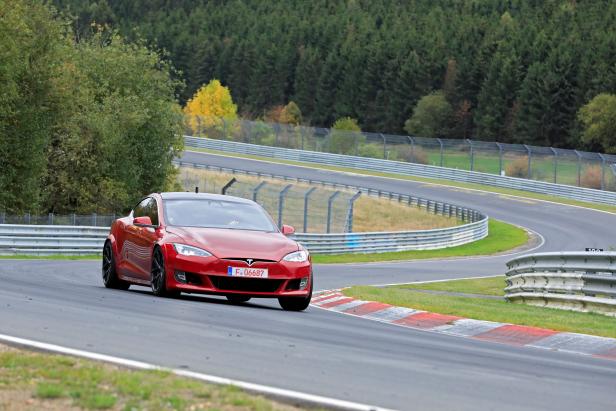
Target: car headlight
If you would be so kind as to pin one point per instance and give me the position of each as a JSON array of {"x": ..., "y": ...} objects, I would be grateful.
[
  {"x": 297, "y": 256},
  {"x": 188, "y": 250}
]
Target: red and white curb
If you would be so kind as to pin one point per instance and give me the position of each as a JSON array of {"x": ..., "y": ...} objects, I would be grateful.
[{"x": 511, "y": 334}]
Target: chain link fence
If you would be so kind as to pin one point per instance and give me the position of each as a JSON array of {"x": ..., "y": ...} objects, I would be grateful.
[
  {"x": 309, "y": 209},
  {"x": 90, "y": 220},
  {"x": 554, "y": 165}
]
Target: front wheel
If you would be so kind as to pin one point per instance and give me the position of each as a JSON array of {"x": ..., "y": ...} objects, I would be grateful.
[
  {"x": 158, "y": 276},
  {"x": 110, "y": 276},
  {"x": 296, "y": 303}
]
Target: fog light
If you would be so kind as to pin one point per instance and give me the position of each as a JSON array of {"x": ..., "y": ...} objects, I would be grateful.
[
  {"x": 303, "y": 283},
  {"x": 180, "y": 276}
]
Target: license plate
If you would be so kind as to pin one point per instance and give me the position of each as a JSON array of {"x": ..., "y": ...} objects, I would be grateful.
[{"x": 247, "y": 272}]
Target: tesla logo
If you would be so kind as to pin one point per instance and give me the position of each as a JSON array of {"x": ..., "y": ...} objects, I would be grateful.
[{"x": 249, "y": 261}]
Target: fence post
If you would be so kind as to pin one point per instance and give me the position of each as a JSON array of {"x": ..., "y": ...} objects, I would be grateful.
[
  {"x": 579, "y": 166},
  {"x": 227, "y": 186},
  {"x": 2, "y": 217},
  {"x": 602, "y": 171},
  {"x": 94, "y": 219},
  {"x": 529, "y": 160},
  {"x": 555, "y": 153},
  {"x": 330, "y": 200},
  {"x": 255, "y": 190},
  {"x": 306, "y": 207},
  {"x": 472, "y": 153},
  {"x": 281, "y": 196},
  {"x": 500, "y": 158},
  {"x": 412, "y": 140},
  {"x": 28, "y": 218},
  {"x": 441, "y": 143},
  {"x": 384, "y": 146},
  {"x": 349, "y": 225},
  {"x": 50, "y": 218},
  {"x": 301, "y": 132},
  {"x": 74, "y": 219}
]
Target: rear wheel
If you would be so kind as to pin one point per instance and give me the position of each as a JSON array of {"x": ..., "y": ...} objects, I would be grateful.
[
  {"x": 234, "y": 298},
  {"x": 158, "y": 276},
  {"x": 296, "y": 303},
  {"x": 110, "y": 276}
]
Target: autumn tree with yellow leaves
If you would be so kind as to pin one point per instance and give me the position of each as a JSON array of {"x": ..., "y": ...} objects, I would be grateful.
[{"x": 210, "y": 105}]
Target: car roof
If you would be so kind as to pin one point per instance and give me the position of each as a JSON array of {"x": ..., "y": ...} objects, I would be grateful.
[{"x": 203, "y": 196}]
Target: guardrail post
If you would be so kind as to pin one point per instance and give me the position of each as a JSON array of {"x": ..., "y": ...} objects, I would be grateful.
[
  {"x": 227, "y": 186},
  {"x": 330, "y": 200},
  {"x": 255, "y": 190},
  {"x": 579, "y": 166},
  {"x": 472, "y": 153},
  {"x": 306, "y": 207},
  {"x": 555, "y": 153},
  {"x": 349, "y": 224},
  {"x": 602, "y": 170},
  {"x": 500, "y": 159},
  {"x": 441, "y": 143},
  {"x": 529, "y": 153},
  {"x": 281, "y": 196}
]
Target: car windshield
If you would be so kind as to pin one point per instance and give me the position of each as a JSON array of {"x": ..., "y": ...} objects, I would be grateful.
[{"x": 209, "y": 213}]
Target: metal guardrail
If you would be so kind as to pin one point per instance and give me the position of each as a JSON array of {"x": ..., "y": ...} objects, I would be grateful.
[
  {"x": 79, "y": 240},
  {"x": 580, "y": 281},
  {"x": 18, "y": 239},
  {"x": 398, "y": 167}
]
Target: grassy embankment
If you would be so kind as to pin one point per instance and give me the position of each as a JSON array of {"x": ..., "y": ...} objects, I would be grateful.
[
  {"x": 469, "y": 186},
  {"x": 39, "y": 381}
]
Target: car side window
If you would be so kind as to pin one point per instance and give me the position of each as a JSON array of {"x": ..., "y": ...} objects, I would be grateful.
[
  {"x": 141, "y": 209},
  {"x": 152, "y": 211}
]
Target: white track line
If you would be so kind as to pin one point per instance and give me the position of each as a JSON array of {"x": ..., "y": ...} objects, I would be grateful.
[{"x": 257, "y": 388}]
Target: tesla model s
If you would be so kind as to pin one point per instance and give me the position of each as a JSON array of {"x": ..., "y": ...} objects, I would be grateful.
[{"x": 210, "y": 244}]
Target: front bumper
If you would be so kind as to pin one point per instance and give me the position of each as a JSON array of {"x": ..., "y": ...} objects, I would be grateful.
[{"x": 208, "y": 275}]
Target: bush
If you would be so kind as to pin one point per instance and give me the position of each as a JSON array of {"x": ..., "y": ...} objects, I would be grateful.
[
  {"x": 371, "y": 150},
  {"x": 518, "y": 168},
  {"x": 591, "y": 178},
  {"x": 410, "y": 154}
]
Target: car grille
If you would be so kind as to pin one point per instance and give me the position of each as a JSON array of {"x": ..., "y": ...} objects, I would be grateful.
[{"x": 245, "y": 284}]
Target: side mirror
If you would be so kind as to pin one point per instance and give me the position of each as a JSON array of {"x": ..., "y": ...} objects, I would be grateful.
[
  {"x": 142, "y": 221},
  {"x": 287, "y": 229}
]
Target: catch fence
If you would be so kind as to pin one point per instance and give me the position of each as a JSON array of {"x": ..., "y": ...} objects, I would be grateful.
[{"x": 547, "y": 164}]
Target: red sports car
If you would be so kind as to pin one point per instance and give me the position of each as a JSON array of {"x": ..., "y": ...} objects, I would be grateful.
[{"x": 207, "y": 243}]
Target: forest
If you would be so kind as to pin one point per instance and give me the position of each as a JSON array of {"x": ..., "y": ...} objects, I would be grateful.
[{"x": 515, "y": 71}]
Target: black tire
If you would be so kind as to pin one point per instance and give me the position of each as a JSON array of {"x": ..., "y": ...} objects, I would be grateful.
[
  {"x": 237, "y": 299},
  {"x": 296, "y": 303},
  {"x": 158, "y": 276},
  {"x": 110, "y": 275}
]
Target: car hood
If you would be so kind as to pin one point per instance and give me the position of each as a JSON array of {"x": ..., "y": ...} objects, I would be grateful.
[{"x": 229, "y": 243}]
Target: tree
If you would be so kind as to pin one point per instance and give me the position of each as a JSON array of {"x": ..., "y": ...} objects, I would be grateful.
[
  {"x": 291, "y": 114},
  {"x": 598, "y": 118},
  {"x": 431, "y": 117},
  {"x": 31, "y": 48},
  {"x": 345, "y": 136},
  {"x": 209, "y": 106}
]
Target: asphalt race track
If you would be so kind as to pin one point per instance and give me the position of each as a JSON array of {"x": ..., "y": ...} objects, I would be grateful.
[{"x": 317, "y": 351}]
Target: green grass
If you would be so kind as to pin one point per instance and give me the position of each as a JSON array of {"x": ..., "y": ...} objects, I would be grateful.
[
  {"x": 50, "y": 257},
  {"x": 55, "y": 382},
  {"x": 485, "y": 309},
  {"x": 501, "y": 237},
  {"x": 470, "y": 186}
]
